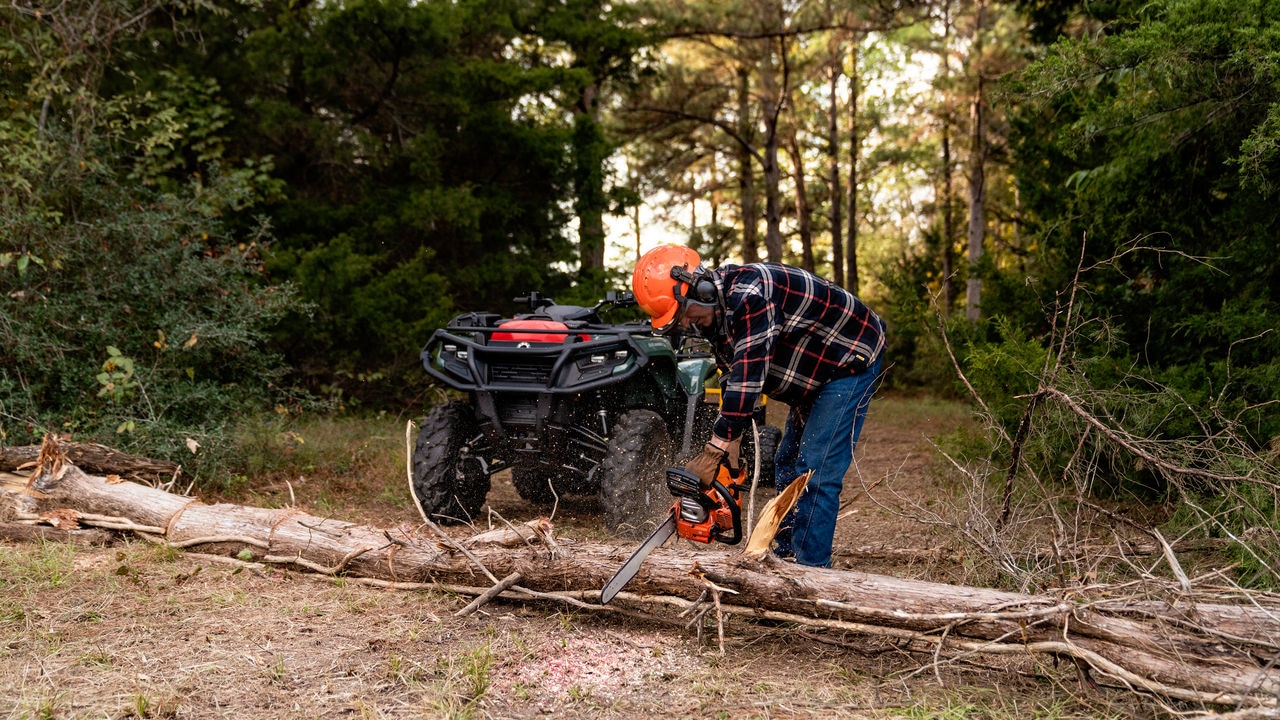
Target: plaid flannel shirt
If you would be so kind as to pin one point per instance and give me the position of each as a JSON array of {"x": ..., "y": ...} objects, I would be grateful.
[{"x": 786, "y": 333}]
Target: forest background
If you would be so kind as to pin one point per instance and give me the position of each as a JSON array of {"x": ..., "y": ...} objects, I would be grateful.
[{"x": 217, "y": 212}]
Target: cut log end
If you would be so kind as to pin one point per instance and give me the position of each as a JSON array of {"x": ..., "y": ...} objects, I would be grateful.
[{"x": 771, "y": 518}]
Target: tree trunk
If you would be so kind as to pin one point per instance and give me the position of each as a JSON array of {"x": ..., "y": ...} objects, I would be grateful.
[
  {"x": 590, "y": 153},
  {"x": 772, "y": 198},
  {"x": 833, "y": 172},
  {"x": 45, "y": 533},
  {"x": 1199, "y": 651},
  {"x": 771, "y": 172},
  {"x": 855, "y": 149},
  {"x": 948, "y": 207},
  {"x": 98, "y": 459},
  {"x": 833, "y": 150},
  {"x": 637, "y": 219},
  {"x": 977, "y": 177},
  {"x": 803, "y": 212},
  {"x": 746, "y": 175},
  {"x": 948, "y": 224}
]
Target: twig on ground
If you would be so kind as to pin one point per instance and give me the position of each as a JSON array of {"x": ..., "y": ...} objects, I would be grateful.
[{"x": 489, "y": 594}]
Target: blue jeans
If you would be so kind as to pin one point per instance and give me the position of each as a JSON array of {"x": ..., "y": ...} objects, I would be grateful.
[{"x": 821, "y": 438}]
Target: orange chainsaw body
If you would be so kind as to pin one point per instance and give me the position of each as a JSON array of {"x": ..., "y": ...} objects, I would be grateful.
[{"x": 710, "y": 513}]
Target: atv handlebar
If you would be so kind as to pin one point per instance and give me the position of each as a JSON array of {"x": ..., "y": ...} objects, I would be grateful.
[
  {"x": 618, "y": 299},
  {"x": 534, "y": 300},
  {"x": 613, "y": 298}
]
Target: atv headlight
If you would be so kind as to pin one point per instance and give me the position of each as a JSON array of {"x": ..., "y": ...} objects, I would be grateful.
[
  {"x": 618, "y": 357},
  {"x": 598, "y": 365}
]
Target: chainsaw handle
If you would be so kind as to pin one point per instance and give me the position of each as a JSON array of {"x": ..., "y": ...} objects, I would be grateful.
[{"x": 735, "y": 512}]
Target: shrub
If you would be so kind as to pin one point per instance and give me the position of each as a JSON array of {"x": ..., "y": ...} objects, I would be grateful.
[{"x": 141, "y": 323}]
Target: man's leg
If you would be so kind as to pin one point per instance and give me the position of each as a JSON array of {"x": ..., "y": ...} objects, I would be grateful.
[
  {"x": 826, "y": 445},
  {"x": 786, "y": 469}
]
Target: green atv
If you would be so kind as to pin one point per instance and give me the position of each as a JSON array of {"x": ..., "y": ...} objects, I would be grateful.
[{"x": 569, "y": 403}]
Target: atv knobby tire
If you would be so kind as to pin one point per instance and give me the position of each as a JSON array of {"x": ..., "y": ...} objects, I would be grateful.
[
  {"x": 633, "y": 474},
  {"x": 770, "y": 438},
  {"x": 533, "y": 485},
  {"x": 449, "y": 484}
]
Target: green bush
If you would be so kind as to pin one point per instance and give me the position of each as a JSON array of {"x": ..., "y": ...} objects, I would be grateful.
[
  {"x": 134, "y": 308},
  {"x": 142, "y": 324},
  {"x": 916, "y": 357}
]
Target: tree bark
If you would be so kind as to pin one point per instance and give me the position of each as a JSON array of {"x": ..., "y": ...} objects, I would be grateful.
[
  {"x": 590, "y": 154},
  {"x": 851, "y": 279},
  {"x": 1200, "y": 651},
  {"x": 746, "y": 174},
  {"x": 977, "y": 175},
  {"x": 833, "y": 175},
  {"x": 772, "y": 103},
  {"x": 833, "y": 150},
  {"x": 803, "y": 211},
  {"x": 948, "y": 202},
  {"x": 44, "y": 533}
]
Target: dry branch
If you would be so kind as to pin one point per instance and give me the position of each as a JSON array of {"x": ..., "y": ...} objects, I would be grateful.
[
  {"x": 1177, "y": 649},
  {"x": 44, "y": 533},
  {"x": 95, "y": 458}
]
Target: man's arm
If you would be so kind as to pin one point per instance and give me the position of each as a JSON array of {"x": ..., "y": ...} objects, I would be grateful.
[{"x": 754, "y": 331}]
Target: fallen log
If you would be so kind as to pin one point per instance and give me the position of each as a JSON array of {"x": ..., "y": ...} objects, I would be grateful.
[
  {"x": 1185, "y": 648},
  {"x": 886, "y": 553},
  {"x": 97, "y": 459}
]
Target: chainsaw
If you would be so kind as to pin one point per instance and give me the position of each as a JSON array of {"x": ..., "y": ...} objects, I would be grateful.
[{"x": 699, "y": 514}]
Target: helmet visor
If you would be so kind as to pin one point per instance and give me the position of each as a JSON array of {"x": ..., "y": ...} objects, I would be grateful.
[{"x": 668, "y": 321}]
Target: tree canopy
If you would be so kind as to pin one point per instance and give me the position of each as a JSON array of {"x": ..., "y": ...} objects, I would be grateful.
[{"x": 1155, "y": 143}]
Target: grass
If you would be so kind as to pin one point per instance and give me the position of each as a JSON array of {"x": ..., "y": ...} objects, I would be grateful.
[
  {"x": 971, "y": 702},
  {"x": 913, "y": 410},
  {"x": 43, "y": 708},
  {"x": 331, "y": 449},
  {"x": 335, "y": 465},
  {"x": 345, "y": 465},
  {"x": 48, "y": 567},
  {"x": 338, "y": 445},
  {"x": 463, "y": 678}
]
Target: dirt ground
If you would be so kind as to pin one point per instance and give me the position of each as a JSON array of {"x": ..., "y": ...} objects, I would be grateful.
[{"x": 135, "y": 630}]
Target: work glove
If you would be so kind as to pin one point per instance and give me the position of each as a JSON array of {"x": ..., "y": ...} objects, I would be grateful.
[
  {"x": 733, "y": 453},
  {"x": 706, "y": 466}
]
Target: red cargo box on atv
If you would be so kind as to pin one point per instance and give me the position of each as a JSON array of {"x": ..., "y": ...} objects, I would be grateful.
[{"x": 527, "y": 326}]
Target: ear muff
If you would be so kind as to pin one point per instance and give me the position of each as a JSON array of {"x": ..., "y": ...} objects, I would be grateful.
[
  {"x": 701, "y": 288},
  {"x": 704, "y": 291}
]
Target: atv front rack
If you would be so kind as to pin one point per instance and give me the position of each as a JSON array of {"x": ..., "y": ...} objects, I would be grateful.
[{"x": 468, "y": 358}]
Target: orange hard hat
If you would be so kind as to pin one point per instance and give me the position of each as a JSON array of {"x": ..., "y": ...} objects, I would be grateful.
[{"x": 654, "y": 287}]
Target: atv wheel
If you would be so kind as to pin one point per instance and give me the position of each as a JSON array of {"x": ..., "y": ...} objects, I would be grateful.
[
  {"x": 533, "y": 485},
  {"x": 633, "y": 474},
  {"x": 448, "y": 482},
  {"x": 770, "y": 438}
]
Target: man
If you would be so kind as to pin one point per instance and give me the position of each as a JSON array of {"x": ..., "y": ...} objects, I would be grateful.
[{"x": 781, "y": 331}]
